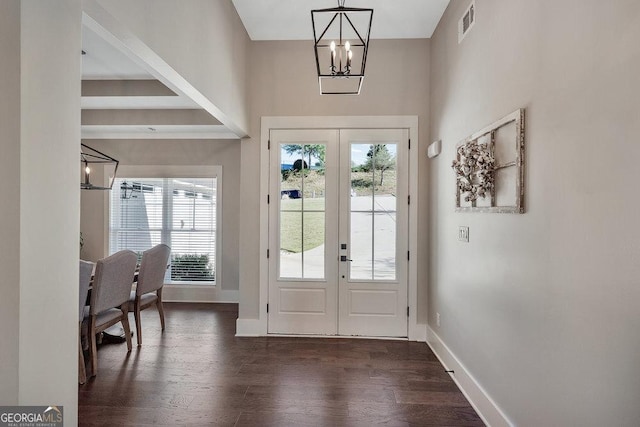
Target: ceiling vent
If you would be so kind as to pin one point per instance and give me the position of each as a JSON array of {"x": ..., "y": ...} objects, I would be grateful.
[{"x": 466, "y": 22}]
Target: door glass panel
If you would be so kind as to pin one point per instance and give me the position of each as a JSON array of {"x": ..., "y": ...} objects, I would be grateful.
[
  {"x": 361, "y": 266},
  {"x": 384, "y": 166},
  {"x": 302, "y": 211},
  {"x": 290, "y": 244},
  {"x": 384, "y": 249},
  {"x": 313, "y": 238},
  {"x": 373, "y": 211},
  {"x": 362, "y": 179}
]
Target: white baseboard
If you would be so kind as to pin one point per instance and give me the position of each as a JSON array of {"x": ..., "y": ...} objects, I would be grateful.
[
  {"x": 486, "y": 408},
  {"x": 418, "y": 333},
  {"x": 194, "y": 293},
  {"x": 257, "y": 328},
  {"x": 250, "y": 328}
]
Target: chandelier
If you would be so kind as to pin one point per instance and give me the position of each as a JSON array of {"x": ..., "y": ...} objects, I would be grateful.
[
  {"x": 90, "y": 157},
  {"x": 341, "y": 37}
]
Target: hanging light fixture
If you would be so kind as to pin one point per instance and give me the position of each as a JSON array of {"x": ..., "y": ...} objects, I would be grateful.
[
  {"x": 90, "y": 157},
  {"x": 341, "y": 37},
  {"x": 127, "y": 191}
]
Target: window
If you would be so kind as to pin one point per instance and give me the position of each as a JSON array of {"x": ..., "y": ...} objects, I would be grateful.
[{"x": 179, "y": 212}]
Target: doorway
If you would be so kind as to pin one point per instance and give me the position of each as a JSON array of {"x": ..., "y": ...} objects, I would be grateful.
[{"x": 338, "y": 232}]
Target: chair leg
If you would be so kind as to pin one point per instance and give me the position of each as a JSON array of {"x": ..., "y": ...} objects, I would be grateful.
[
  {"x": 82, "y": 371},
  {"x": 160, "y": 308},
  {"x": 93, "y": 347},
  {"x": 136, "y": 312},
  {"x": 125, "y": 324}
]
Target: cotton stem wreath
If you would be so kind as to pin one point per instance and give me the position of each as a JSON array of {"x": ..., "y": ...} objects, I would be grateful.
[{"x": 474, "y": 169}]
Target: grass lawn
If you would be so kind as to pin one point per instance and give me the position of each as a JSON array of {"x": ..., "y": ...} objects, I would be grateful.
[{"x": 292, "y": 236}]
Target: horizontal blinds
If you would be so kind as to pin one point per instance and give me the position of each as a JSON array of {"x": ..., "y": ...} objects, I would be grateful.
[{"x": 179, "y": 212}]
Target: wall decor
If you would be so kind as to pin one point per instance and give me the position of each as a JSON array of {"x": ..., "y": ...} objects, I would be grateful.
[{"x": 489, "y": 168}]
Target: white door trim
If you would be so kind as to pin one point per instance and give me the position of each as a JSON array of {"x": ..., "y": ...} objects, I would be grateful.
[{"x": 416, "y": 332}]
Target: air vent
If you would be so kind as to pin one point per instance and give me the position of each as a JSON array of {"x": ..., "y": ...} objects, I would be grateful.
[{"x": 466, "y": 22}]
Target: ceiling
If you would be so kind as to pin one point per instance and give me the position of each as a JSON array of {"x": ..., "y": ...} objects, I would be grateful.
[
  {"x": 291, "y": 19},
  {"x": 102, "y": 61},
  {"x": 123, "y": 99}
]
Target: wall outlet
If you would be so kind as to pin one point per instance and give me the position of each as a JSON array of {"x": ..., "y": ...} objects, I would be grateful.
[
  {"x": 438, "y": 320},
  {"x": 463, "y": 234}
]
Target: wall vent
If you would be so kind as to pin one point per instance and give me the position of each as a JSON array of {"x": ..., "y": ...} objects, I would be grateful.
[{"x": 466, "y": 22}]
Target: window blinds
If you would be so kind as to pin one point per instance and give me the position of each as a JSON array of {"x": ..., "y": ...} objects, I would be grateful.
[{"x": 179, "y": 212}]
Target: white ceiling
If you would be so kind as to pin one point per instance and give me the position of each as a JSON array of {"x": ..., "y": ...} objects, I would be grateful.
[
  {"x": 264, "y": 20},
  {"x": 291, "y": 19},
  {"x": 102, "y": 61}
]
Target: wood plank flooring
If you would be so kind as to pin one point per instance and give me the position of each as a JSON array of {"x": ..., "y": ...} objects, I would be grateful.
[{"x": 197, "y": 373}]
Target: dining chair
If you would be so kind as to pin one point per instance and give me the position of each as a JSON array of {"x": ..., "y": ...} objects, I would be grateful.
[
  {"x": 110, "y": 298},
  {"x": 86, "y": 270},
  {"x": 150, "y": 281}
]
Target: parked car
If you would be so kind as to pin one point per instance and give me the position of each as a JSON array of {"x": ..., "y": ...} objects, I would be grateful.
[{"x": 290, "y": 194}]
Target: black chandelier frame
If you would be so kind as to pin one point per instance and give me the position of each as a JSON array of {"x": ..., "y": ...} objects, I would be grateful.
[
  {"x": 341, "y": 13},
  {"x": 90, "y": 156}
]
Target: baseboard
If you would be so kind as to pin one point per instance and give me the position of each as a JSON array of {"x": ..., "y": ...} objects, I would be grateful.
[
  {"x": 193, "y": 293},
  {"x": 486, "y": 408},
  {"x": 418, "y": 333},
  {"x": 249, "y": 328},
  {"x": 256, "y": 328}
]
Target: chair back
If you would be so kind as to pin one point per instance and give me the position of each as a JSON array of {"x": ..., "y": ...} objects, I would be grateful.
[
  {"x": 152, "y": 269},
  {"x": 86, "y": 269},
  {"x": 112, "y": 281}
]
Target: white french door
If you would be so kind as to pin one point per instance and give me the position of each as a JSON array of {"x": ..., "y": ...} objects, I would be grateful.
[{"x": 338, "y": 227}]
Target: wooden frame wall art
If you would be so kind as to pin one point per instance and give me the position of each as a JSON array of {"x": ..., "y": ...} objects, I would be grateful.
[{"x": 489, "y": 168}]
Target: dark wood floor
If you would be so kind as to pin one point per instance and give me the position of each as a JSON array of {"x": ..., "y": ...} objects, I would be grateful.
[{"x": 198, "y": 374}]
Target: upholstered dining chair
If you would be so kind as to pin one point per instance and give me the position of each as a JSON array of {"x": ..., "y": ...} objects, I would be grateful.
[
  {"x": 110, "y": 298},
  {"x": 86, "y": 270},
  {"x": 150, "y": 281}
]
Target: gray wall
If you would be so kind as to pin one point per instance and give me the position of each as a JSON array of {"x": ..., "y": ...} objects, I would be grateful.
[
  {"x": 10, "y": 195},
  {"x": 225, "y": 153},
  {"x": 283, "y": 82},
  {"x": 40, "y": 136},
  {"x": 542, "y": 308}
]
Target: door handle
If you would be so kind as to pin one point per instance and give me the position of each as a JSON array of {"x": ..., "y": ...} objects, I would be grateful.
[{"x": 344, "y": 258}]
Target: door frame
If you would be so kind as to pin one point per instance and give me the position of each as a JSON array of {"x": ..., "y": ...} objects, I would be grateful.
[{"x": 416, "y": 332}]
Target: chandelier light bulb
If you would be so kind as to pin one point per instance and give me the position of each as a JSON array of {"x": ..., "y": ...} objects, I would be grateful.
[
  {"x": 332, "y": 46},
  {"x": 347, "y": 46},
  {"x": 87, "y": 170}
]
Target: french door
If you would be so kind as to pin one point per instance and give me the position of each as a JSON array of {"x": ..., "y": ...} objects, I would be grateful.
[{"x": 338, "y": 227}]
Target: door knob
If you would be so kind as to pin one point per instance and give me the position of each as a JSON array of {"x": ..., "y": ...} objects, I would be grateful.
[{"x": 344, "y": 258}]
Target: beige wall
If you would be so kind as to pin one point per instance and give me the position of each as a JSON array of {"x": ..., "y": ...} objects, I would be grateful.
[
  {"x": 542, "y": 308},
  {"x": 10, "y": 195},
  {"x": 283, "y": 82},
  {"x": 169, "y": 152},
  {"x": 205, "y": 43},
  {"x": 40, "y": 135}
]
